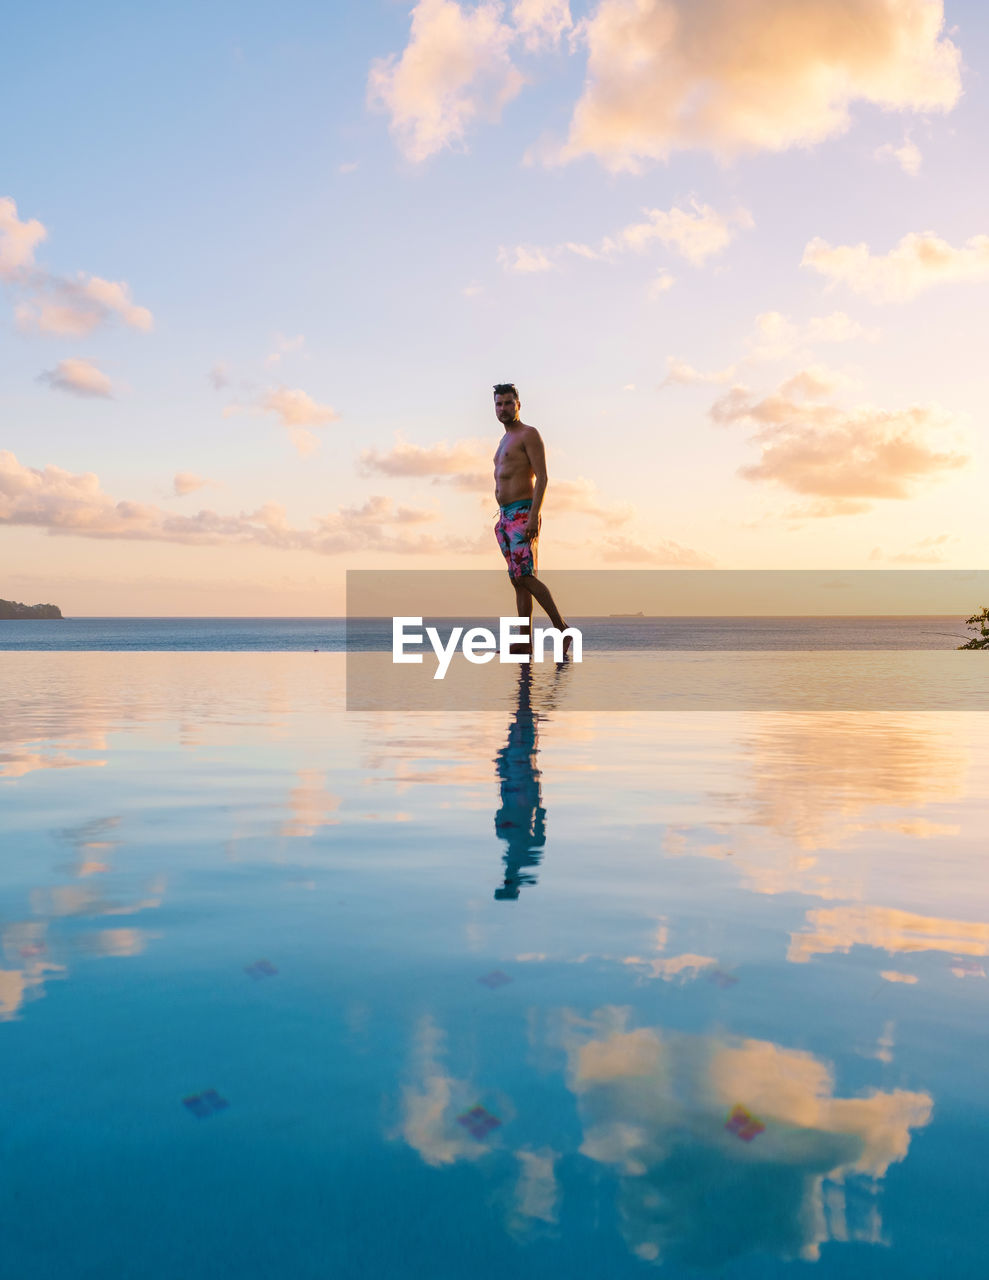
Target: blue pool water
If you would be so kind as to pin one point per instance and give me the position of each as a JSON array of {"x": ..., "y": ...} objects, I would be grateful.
[{"x": 287, "y": 991}]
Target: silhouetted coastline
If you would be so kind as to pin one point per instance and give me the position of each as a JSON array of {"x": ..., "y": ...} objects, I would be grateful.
[{"x": 11, "y": 610}]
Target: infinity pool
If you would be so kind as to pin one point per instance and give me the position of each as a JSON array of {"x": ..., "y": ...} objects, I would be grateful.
[{"x": 288, "y": 991}]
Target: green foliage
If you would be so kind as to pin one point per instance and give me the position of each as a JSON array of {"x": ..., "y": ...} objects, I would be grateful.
[{"x": 978, "y": 622}]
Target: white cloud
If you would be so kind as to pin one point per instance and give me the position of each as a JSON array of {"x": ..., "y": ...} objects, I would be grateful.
[
  {"x": 842, "y": 458},
  {"x": 930, "y": 550},
  {"x": 525, "y": 259},
  {"x": 284, "y": 346},
  {"x": 431, "y": 1101},
  {"x": 665, "y": 75},
  {"x": 537, "y": 1194},
  {"x": 188, "y": 482},
  {"x": 654, "y": 1102},
  {"x": 694, "y": 235},
  {"x": 777, "y": 336},
  {"x": 79, "y": 376},
  {"x": 74, "y": 308},
  {"x": 219, "y": 376},
  {"x": 681, "y": 372},
  {"x": 541, "y": 23},
  {"x": 661, "y": 284},
  {"x": 65, "y": 503},
  {"x": 618, "y": 549},
  {"x": 296, "y": 411},
  {"x": 919, "y": 261},
  {"x": 583, "y": 251},
  {"x": 17, "y": 239},
  {"x": 296, "y": 408},
  {"x": 466, "y": 463},
  {"x": 455, "y": 70},
  {"x": 581, "y": 495},
  {"x": 907, "y": 156},
  {"x": 49, "y": 303}
]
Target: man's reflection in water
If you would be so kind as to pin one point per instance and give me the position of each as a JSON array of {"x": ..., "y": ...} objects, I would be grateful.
[{"x": 521, "y": 819}]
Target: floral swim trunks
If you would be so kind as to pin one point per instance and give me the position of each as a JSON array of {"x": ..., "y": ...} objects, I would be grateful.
[{"x": 518, "y": 551}]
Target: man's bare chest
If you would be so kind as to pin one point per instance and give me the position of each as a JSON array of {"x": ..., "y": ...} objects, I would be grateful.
[{"x": 509, "y": 455}]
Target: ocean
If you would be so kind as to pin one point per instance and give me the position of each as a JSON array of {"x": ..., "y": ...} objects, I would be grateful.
[{"x": 337, "y": 635}]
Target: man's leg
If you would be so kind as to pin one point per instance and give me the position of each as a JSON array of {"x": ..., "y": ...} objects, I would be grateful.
[
  {"x": 523, "y": 609},
  {"x": 531, "y": 585}
]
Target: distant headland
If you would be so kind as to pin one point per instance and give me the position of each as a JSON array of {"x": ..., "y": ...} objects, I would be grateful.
[{"x": 14, "y": 609}]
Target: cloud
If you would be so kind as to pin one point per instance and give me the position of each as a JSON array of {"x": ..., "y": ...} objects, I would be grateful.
[
  {"x": 53, "y": 304},
  {"x": 681, "y": 372},
  {"x": 541, "y": 23},
  {"x": 695, "y": 235},
  {"x": 671, "y": 555},
  {"x": 660, "y": 285},
  {"x": 80, "y": 377},
  {"x": 219, "y": 376},
  {"x": 845, "y": 458},
  {"x": 432, "y": 1100},
  {"x": 285, "y": 346},
  {"x": 74, "y": 308},
  {"x": 296, "y": 411},
  {"x": 455, "y": 70},
  {"x": 64, "y": 503},
  {"x": 838, "y": 929},
  {"x": 907, "y": 156},
  {"x": 925, "y": 551},
  {"x": 777, "y": 336},
  {"x": 653, "y": 1106},
  {"x": 666, "y": 75},
  {"x": 188, "y": 482},
  {"x": 526, "y": 259},
  {"x": 581, "y": 495},
  {"x": 919, "y": 261},
  {"x": 311, "y": 806},
  {"x": 17, "y": 239},
  {"x": 465, "y": 464},
  {"x": 583, "y": 251}
]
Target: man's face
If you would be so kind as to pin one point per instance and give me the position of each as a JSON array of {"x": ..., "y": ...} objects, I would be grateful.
[{"x": 506, "y": 407}]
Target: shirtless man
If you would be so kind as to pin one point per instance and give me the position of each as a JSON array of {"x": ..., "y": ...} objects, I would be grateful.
[{"x": 520, "y": 485}]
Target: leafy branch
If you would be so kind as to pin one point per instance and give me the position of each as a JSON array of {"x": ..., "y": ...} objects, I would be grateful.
[{"x": 979, "y": 623}]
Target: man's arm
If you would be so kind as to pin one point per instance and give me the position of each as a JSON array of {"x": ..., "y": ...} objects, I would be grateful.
[{"x": 536, "y": 454}]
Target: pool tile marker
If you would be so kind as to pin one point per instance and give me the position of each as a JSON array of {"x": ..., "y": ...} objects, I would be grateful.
[
  {"x": 206, "y": 1104},
  {"x": 743, "y": 1124},
  {"x": 494, "y": 979},
  {"x": 478, "y": 1122}
]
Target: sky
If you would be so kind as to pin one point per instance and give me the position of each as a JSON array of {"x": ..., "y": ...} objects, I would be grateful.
[{"x": 261, "y": 265}]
